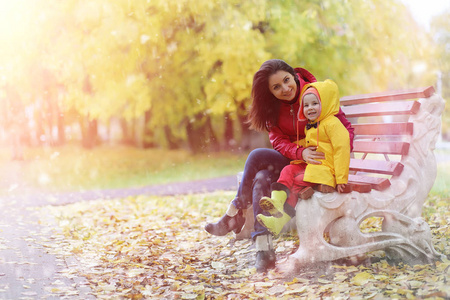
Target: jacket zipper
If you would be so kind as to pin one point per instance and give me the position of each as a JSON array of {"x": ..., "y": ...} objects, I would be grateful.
[{"x": 292, "y": 114}]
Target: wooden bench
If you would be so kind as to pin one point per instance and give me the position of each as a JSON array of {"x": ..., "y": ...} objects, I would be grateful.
[
  {"x": 392, "y": 170},
  {"x": 376, "y": 138}
]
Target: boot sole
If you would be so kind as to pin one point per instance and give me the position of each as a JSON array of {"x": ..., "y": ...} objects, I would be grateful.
[
  {"x": 306, "y": 193},
  {"x": 268, "y": 206}
]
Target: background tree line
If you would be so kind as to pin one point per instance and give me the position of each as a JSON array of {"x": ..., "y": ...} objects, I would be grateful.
[{"x": 177, "y": 74}]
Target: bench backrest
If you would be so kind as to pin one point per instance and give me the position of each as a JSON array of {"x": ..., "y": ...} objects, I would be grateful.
[{"x": 382, "y": 134}]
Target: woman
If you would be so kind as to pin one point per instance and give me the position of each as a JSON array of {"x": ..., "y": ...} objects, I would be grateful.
[{"x": 275, "y": 92}]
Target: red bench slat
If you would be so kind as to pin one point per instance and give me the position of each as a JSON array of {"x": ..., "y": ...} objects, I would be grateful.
[
  {"x": 387, "y": 104},
  {"x": 381, "y": 147},
  {"x": 360, "y": 187},
  {"x": 376, "y": 183},
  {"x": 384, "y": 129},
  {"x": 382, "y": 109},
  {"x": 388, "y": 96},
  {"x": 376, "y": 166}
]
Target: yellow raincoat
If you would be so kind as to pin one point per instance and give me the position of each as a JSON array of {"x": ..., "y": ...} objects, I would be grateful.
[{"x": 330, "y": 137}]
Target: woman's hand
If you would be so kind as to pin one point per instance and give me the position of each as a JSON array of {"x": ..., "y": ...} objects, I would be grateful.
[
  {"x": 311, "y": 156},
  {"x": 340, "y": 187}
]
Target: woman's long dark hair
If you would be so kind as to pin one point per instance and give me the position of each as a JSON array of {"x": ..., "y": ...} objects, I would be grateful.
[{"x": 265, "y": 106}]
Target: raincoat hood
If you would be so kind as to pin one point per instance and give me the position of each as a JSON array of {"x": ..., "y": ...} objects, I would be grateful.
[{"x": 327, "y": 90}]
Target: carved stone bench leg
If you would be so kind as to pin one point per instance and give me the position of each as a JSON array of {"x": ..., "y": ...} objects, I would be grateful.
[
  {"x": 416, "y": 246},
  {"x": 402, "y": 238},
  {"x": 339, "y": 220},
  {"x": 312, "y": 221}
]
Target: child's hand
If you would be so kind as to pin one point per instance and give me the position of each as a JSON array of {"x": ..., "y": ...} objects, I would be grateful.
[{"x": 340, "y": 187}]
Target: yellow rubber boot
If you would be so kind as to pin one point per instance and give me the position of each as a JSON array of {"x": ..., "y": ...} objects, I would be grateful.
[
  {"x": 275, "y": 204},
  {"x": 273, "y": 224}
]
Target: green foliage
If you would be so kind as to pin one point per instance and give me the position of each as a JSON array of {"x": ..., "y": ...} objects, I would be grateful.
[
  {"x": 192, "y": 60},
  {"x": 365, "y": 46}
]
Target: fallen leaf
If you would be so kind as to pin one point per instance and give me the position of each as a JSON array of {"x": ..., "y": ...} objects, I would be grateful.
[
  {"x": 263, "y": 284},
  {"x": 278, "y": 289},
  {"x": 362, "y": 278},
  {"x": 217, "y": 265}
]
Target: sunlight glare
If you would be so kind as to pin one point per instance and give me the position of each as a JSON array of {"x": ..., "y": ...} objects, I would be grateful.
[{"x": 13, "y": 18}]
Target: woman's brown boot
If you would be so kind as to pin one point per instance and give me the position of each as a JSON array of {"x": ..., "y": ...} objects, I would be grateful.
[{"x": 226, "y": 224}]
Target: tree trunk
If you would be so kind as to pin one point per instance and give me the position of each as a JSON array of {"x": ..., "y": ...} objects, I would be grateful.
[
  {"x": 89, "y": 127},
  {"x": 133, "y": 136},
  {"x": 172, "y": 142},
  {"x": 196, "y": 135},
  {"x": 230, "y": 142},
  {"x": 212, "y": 141},
  {"x": 48, "y": 119},
  {"x": 147, "y": 140},
  {"x": 61, "y": 129},
  {"x": 127, "y": 138},
  {"x": 246, "y": 133},
  {"x": 40, "y": 131},
  {"x": 245, "y": 129},
  {"x": 89, "y": 131}
]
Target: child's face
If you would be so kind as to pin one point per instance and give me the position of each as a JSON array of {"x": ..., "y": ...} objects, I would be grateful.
[{"x": 311, "y": 107}]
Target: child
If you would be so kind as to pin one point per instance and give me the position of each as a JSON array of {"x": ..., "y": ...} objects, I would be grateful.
[{"x": 319, "y": 104}]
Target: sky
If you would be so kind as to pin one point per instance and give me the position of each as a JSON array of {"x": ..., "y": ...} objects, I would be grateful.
[{"x": 424, "y": 10}]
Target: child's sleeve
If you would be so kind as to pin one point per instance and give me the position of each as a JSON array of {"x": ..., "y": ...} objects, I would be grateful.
[{"x": 340, "y": 139}]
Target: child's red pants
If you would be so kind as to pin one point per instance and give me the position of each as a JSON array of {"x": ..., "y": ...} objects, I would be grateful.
[{"x": 292, "y": 177}]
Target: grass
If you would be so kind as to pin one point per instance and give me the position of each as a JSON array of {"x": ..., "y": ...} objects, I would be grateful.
[
  {"x": 441, "y": 186},
  {"x": 72, "y": 168}
]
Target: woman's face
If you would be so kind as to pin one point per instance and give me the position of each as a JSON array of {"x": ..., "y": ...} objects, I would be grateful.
[{"x": 282, "y": 85}]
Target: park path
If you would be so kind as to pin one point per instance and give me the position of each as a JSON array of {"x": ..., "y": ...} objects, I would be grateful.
[{"x": 28, "y": 270}]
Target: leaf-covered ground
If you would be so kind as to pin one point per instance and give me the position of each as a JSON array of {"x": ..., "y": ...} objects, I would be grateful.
[{"x": 156, "y": 248}]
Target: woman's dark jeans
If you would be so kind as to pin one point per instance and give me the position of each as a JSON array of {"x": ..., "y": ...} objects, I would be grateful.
[{"x": 263, "y": 166}]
